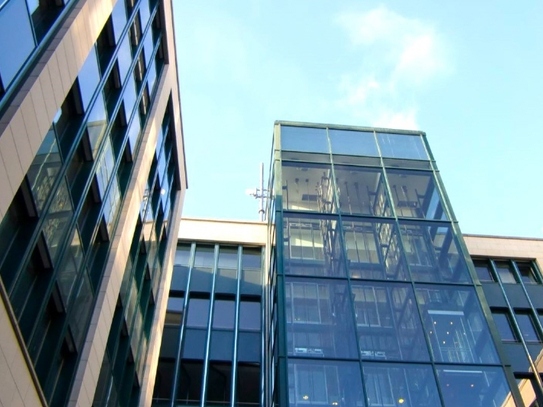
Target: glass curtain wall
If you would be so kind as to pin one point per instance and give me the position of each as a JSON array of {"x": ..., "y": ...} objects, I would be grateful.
[
  {"x": 211, "y": 351},
  {"x": 372, "y": 302},
  {"x": 56, "y": 236}
]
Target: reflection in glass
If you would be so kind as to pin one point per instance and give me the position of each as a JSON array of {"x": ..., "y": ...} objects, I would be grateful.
[
  {"x": 402, "y": 146},
  {"x": 124, "y": 57},
  {"x": 455, "y": 325},
  {"x": 118, "y": 16},
  {"x": 473, "y": 386},
  {"x": 373, "y": 250},
  {"x": 505, "y": 271},
  {"x": 320, "y": 383},
  {"x": 308, "y": 187},
  {"x": 415, "y": 195},
  {"x": 526, "y": 327},
  {"x": 96, "y": 124},
  {"x": 312, "y": 247},
  {"x": 400, "y": 385},
  {"x": 69, "y": 269},
  {"x": 304, "y": 139},
  {"x": 348, "y": 142},
  {"x": 58, "y": 219},
  {"x": 503, "y": 323},
  {"x": 319, "y": 319},
  {"x": 526, "y": 388},
  {"x": 174, "y": 312},
  {"x": 16, "y": 39},
  {"x": 44, "y": 169},
  {"x": 432, "y": 253},
  {"x": 527, "y": 272},
  {"x": 198, "y": 312},
  {"x": 88, "y": 78},
  {"x": 482, "y": 268},
  {"x": 388, "y": 323},
  {"x": 361, "y": 191},
  {"x": 223, "y": 314}
]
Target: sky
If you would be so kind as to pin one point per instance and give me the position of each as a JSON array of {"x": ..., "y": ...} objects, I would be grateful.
[{"x": 469, "y": 74}]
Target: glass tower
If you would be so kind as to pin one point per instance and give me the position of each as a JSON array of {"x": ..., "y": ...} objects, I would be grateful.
[{"x": 374, "y": 300}]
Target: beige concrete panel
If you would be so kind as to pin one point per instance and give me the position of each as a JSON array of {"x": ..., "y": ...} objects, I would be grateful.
[
  {"x": 7, "y": 192},
  {"x": 16, "y": 384},
  {"x": 506, "y": 247},
  {"x": 227, "y": 231},
  {"x": 59, "y": 91},
  {"x": 20, "y": 138},
  {"x": 31, "y": 124},
  {"x": 14, "y": 171}
]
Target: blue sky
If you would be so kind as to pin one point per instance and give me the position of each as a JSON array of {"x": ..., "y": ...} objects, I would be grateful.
[{"x": 469, "y": 74}]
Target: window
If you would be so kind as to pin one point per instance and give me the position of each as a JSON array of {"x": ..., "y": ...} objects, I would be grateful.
[
  {"x": 527, "y": 272},
  {"x": 505, "y": 271},
  {"x": 502, "y": 320},
  {"x": 526, "y": 327},
  {"x": 483, "y": 270}
]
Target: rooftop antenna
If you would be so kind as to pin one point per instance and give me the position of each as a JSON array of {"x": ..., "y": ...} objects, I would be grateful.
[{"x": 260, "y": 193}]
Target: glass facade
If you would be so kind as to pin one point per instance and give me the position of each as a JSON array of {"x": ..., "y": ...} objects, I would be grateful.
[
  {"x": 372, "y": 294},
  {"x": 58, "y": 235},
  {"x": 211, "y": 350},
  {"x": 514, "y": 291}
]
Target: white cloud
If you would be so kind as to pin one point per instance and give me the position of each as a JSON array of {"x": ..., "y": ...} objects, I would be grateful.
[{"x": 399, "y": 57}]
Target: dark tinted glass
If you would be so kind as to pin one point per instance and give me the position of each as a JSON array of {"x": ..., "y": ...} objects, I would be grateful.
[
  {"x": 198, "y": 312},
  {"x": 527, "y": 272},
  {"x": 505, "y": 271},
  {"x": 526, "y": 326},
  {"x": 503, "y": 323},
  {"x": 483, "y": 269}
]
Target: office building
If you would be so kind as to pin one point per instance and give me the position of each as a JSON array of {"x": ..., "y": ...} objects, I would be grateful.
[
  {"x": 92, "y": 174},
  {"x": 370, "y": 295},
  {"x": 213, "y": 353}
]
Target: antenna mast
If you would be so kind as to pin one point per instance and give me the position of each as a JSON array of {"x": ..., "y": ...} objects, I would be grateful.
[{"x": 261, "y": 194}]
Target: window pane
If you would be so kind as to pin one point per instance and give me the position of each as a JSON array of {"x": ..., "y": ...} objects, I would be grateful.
[
  {"x": 526, "y": 326},
  {"x": 228, "y": 257},
  {"x": 57, "y": 220},
  {"x": 482, "y": 267},
  {"x": 373, "y": 250},
  {"x": 388, "y": 322},
  {"x": 223, "y": 314},
  {"x": 16, "y": 39},
  {"x": 174, "y": 312},
  {"x": 348, "y": 142},
  {"x": 506, "y": 271},
  {"x": 527, "y": 272},
  {"x": 455, "y": 325},
  {"x": 119, "y": 19},
  {"x": 415, "y": 195},
  {"x": 433, "y": 254},
  {"x": 249, "y": 316},
  {"x": 317, "y": 382},
  {"x": 319, "y": 319},
  {"x": 400, "y": 385},
  {"x": 304, "y": 139},
  {"x": 69, "y": 269},
  {"x": 474, "y": 387},
  {"x": 362, "y": 191},
  {"x": 198, "y": 312},
  {"x": 88, "y": 78},
  {"x": 96, "y": 124},
  {"x": 503, "y": 323},
  {"x": 402, "y": 146},
  {"x": 308, "y": 187},
  {"x": 44, "y": 169},
  {"x": 305, "y": 252}
]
